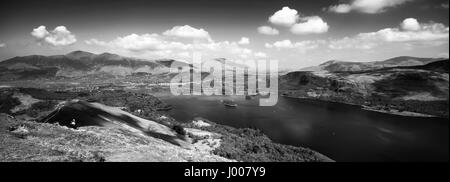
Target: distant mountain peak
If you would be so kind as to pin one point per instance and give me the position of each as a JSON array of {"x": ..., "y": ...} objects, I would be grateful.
[
  {"x": 108, "y": 54},
  {"x": 78, "y": 52},
  {"x": 330, "y": 62},
  {"x": 79, "y": 55}
]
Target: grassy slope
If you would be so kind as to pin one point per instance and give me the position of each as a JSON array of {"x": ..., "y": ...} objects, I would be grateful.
[{"x": 48, "y": 142}]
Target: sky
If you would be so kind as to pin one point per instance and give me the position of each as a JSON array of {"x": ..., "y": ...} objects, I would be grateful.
[{"x": 296, "y": 33}]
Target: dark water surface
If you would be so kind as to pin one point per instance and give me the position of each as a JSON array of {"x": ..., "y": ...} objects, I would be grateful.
[{"x": 342, "y": 132}]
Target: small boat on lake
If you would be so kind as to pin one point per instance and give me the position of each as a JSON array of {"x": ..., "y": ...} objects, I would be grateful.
[{"x": 229, "y": 103}]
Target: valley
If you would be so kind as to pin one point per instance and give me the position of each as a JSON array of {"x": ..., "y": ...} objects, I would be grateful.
[{"x": 112, "y": 108}]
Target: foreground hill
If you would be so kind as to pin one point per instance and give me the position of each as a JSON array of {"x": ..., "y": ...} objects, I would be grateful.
[
  {"x": 30, "y": 141},
  {"x": 406, "y": 90}
]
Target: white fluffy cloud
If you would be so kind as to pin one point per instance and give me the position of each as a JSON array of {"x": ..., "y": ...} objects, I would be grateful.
[
  {"x": 310, "y": 25},
  {"x": 357, "y": 42},
  {"x": 366, "y": 6},
  {"x": 166, "y": 45},
  {"x": 60, "y": 36},
  {"x": 40, "y": 32},
  {"x": 425, "y": 32},
  {"x": 283, "y": 44},
  {"x": 286, "y": 17},
  {"x": 298, "y": 24},
  {"x": 266, "y": 30},
  {"x": 410, "y": 31},
  {"x": 144, "y": 42},
  {"x": 301, "y": 46},
  {"x": 244, "y": 41},
  {"x": 410, "y": 24},
  {"x": 340, "y": 8},
  {"x": 187, "y": 31},
  {"x": 134, "y": 42}
]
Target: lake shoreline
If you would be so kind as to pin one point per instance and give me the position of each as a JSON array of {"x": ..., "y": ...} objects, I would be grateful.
[
  {"x": 246, "y": 144},
  {"x": 323, "y": 126},
  {"x": 370, "y": 108}
]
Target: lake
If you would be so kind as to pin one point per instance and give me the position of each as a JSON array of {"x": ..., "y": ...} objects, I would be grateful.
[{"x": 340, "y": 131}]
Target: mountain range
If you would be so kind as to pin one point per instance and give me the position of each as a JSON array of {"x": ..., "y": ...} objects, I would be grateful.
[
  {"x": 342, "y": 66},
  {"x": 78, "y": 63},
  {"x": 81, "y": 63}
]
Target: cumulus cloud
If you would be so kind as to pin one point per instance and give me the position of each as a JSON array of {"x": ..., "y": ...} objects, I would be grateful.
[
  {"x": 301, "y": 46},
  {"x": 340, "y": 8},
  {"x": 410, "y": 31},
  {"x": 60, "y": 36},
  {"x": 310, "y": 25},
  {"x": 40, "y": 32},
  {"x": 244, "y": 41},
  {"x": 144, "y": 42},
  {"x": 286, "y": 17},
  {"x": 357, "y": 42},
  {"x": 281, "y": 44},
  {"x": 366, "y": 6},
  {"x": 266, "y": 30},
  {"x": 410, "y": 24},
  {"x": 165, "y": 45},
  {"x": 425, "y": 32},
  {"x": 136, "y": 42},
  {"x": 298, "y": 24},
  {"x": 228, "y": 48},
  {"x": 187, "y": 31}
]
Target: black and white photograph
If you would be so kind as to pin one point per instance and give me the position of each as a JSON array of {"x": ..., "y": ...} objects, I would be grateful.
[{"x": 209, "y": 81}]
